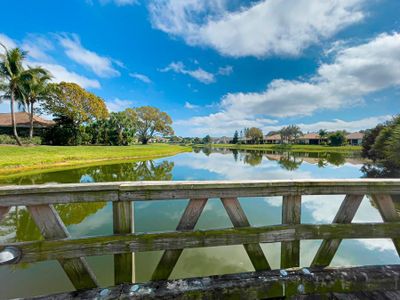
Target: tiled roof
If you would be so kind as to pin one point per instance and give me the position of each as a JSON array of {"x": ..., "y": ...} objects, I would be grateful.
[
  {"x": 355, "y": 136},
  {"x": 22, "y": 120}
]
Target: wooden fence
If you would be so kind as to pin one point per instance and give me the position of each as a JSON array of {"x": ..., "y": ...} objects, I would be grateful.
[{"x": 71, "y": 253}]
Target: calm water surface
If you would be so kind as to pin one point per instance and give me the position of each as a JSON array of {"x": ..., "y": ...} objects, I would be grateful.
[{"x": 96, "y": 218}]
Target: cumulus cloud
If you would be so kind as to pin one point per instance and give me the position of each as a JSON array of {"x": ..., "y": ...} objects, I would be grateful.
[
  {"x": 118, "y": 104},
  {"x": 60, "y": 74},
  {"x": 198, "y": 74},
  {"x": 263, "y": 28},
  {"x": 38, "y": 56},
  {"x": 140, "y": 77},
  {"x": 100, "y": 65},
  {"x": 354, "y": 72}
]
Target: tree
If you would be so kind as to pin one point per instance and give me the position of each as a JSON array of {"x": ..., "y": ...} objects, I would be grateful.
[
  {"x": 323, "y": 133},
  {"x": 13, "y": 75},
  {"x": 33, "y": 90},
  {"x": 121, "y": 127},
  {"x": 337, "y": 138},
  {"x": 70, "y": 101},
  {"x": 290, "y": 133},
  {"x": 73, "y": 107},
  {"x": 207, "y": 139},
  {"x": 368, "y": 142},
  {"x": 254, "y": 134},
  {"x": 151, "y": 121},
  {"x": 235, "y": 139}
]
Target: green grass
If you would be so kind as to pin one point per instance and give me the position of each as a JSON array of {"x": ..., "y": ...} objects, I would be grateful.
[
  {"x": 16, "y": 160},
  {"x": 292, "y": 148}
]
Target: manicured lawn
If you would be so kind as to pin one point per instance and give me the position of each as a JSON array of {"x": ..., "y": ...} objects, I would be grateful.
[
  {"x": 293, "y": 148},
  {"x": 14, "y": 159}
]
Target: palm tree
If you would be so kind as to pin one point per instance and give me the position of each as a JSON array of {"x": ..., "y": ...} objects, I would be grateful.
[
  {"x": 13, "y": 74},
  {"x": 34, "y": 89}
]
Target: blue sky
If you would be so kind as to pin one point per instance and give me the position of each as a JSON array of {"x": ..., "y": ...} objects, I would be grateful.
[{"x": 220, "y": 65}]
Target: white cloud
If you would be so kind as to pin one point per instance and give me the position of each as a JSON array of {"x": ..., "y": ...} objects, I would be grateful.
[
  {"x": 118, "y": 104},
  {"x": 198, "y": 74},
  {"x": 354, "y": 73},
  {"x": 120, "y": 2},
  {"x": 8, "y": 42},
  {"x": 189, "y": 105},
  {"x": 60, "y": 73},
  {"x": 225, "y": 71},
  {"x": 140, "y": 77},
  {"x": 100, "y": 65},
  {"x": 37, "y": 47},
  {"x": 268, "y": 27}
]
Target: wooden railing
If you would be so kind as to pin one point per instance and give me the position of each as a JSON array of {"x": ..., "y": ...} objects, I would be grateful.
[{"x": 71, "y": 252}]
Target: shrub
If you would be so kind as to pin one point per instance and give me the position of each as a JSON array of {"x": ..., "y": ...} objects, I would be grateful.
[{"x": 9, "y": 140}]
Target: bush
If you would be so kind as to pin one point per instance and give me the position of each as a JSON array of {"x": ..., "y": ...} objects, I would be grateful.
[
  {"x": 9, "y": 140},
  {"x": 337, "y": 138}
]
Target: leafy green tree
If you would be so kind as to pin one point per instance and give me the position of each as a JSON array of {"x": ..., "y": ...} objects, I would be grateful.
[
  {"x": 12, "y": 77},
  {"x": 337, "y": 138},
  {"x": 368, "y": 150},
  {"x": 255, "y": 135},
  {"x": 151, "y": 121},
  {"x": 290, "y": 133},
  {"x": 235, "y": 139},
  {"x": 70, "y": 101},
  {"x": 207, "y": 139},
  {"x": 122, "y": 127}
]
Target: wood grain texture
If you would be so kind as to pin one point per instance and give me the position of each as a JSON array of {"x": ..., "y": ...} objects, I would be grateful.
[
  {"x": 3, "y": 211},
  {"x": 122, "y": 224},
  {"x": 345, "y": 215},
  {"x": 386, "y": 208},
  {"x": 239, "y": 219},
  {"x": 291, "y": 214},
  {"x": 52, "y": 227},
  {"x": 165, "y": 190},
  {"x": 141, "y": 242},
  {"x": 188, "y": 221}
]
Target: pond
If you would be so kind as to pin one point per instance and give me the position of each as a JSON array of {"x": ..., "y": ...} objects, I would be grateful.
[{"x": 92, "y": 219}]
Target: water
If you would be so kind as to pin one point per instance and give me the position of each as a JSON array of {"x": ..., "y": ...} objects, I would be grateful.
[{"x": 96, "y": 218}]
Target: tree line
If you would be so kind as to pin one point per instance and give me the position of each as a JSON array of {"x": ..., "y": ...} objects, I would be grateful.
[
  {"x": 381, "y": 144},
  {"x": 81, "y": 117}
]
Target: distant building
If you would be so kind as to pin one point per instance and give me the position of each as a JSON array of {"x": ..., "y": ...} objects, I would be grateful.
[
  {"x": 310, "y": 139},
  {"x": 221, "y": 140},
  {"x": 22, "y": 120},
  {"x": 273, "y": 139},
  {"x": 355, "y": 138}
]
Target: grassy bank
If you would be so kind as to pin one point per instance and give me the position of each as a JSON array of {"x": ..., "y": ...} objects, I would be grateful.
[
  {"x": 293, "y": 148},
  {"x": 17, "y": 160}
]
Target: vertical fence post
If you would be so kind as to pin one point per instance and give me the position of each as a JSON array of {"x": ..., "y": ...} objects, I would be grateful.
[
  {"x": 291, "y": 214},
  {"x": 122, "y": 224}
]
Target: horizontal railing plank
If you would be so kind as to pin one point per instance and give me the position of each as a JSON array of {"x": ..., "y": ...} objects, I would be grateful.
[
  {"x": 164, "y": 190},
  {"x": 259, "y": 285},
  {"x": 90, "y": 246}
]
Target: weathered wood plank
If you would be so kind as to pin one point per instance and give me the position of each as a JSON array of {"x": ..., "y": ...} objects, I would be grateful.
[
  {"x": 139, "y": 242},
  {"x": 388, "y": 212},
  {"x": 3, "y": 211},
  {"x": 239, "y": 219},
  {"x": 188, "y": 221},
  {"x": 139, "y": 191},
  {"x": 345, "y": 215},
  {"x": 52, "y": 227},
  {"x": 258, "y": 285},
  {"x": 291, "y": 214},
  {"x": 122, "y": 224}
]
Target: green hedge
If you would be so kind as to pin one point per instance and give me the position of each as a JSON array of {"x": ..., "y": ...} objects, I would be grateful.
[{"x": 9, "y": 140}]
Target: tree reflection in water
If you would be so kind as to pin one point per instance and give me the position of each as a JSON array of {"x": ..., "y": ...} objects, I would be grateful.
[{"x": 18, "y": 224}]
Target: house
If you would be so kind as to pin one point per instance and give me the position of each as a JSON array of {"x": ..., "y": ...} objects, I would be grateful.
[
  {"x": 273, "y": 139},
  {"x": 355, "y": 138},
  {"x": 221, "y": 140},
  {"x": 22, "y": 119},
  {"x": 310, "y": 139}
]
